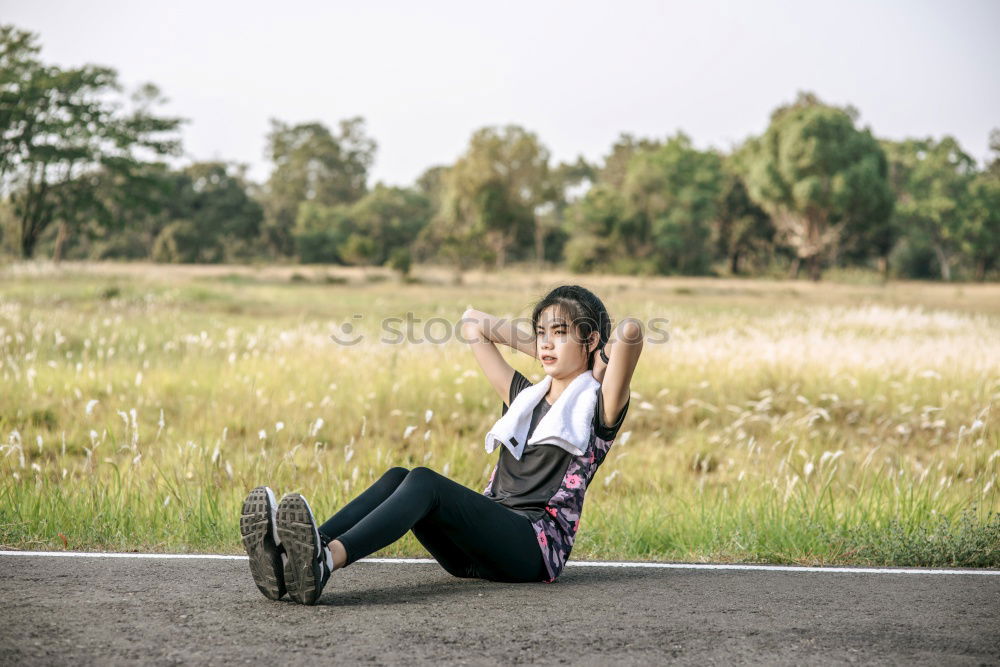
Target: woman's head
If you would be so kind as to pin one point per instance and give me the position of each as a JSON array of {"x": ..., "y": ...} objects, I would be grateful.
[{"x": 570, "y": 322}]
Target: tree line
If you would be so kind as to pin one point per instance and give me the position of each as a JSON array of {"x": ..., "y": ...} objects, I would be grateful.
[{"x": 84, "y": 174}]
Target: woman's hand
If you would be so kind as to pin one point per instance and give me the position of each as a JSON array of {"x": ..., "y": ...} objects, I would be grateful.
[
  {"x": 496, "y": 330},
  {"x": 481, "y": 332}
]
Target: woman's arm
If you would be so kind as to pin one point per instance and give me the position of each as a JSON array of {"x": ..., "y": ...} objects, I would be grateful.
[
  {"x": 482, "y": 331},
  {"x": 623, "y": 349},
  {"x": 499, "y": 330}
]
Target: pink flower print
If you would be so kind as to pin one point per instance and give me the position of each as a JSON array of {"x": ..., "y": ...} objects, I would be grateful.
[
  {"x": 552, "y": 510},
  {"x": 592, "y": 457},
  {"x": 573, "y": 481},
  {"x": 542, "y": 540}
]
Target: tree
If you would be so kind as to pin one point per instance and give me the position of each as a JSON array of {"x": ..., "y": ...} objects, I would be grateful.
[
  {"x": 870, "y": 236},
  {"x": 134, "y": 208},
  {"x": 212, "y": 218},
  {"x": 400, "y": 260},
  {"x": 121, "y": 217},
  {"x": 432, "y": 185},
  {"x": 311, "y": 164},
  {"x": 981, "y": 236},
  {"x": 365, "y": 232},
  {"x": 933, "y": 180},
  {"x": 453, "y": 235},
  {"x": 815, "y": 174},
  {"x": 319, "y": 232},
  {"x": 569, "y": 183},
  {"x": 391, "y": 217},
  {"x": 493, "y": 191},
  {"x": 616, "y": 163},
  {"x": 672, "y": 193},
  {"x": 20, "y": 75},
  {"x": 981, "y": 233},
  {"x": 743, "y": 228},
  {"x": 592, "y": 225},
  {"x": 58, "y": 127},
  {"x": 599, "y": 232},
  {"x": 358, "y": 249}
]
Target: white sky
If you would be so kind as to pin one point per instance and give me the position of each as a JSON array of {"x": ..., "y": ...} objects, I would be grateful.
[{"x": 425, "y": 75}]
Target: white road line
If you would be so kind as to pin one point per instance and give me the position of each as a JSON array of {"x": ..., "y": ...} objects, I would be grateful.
[
  {"x": 107, "y": 554},
  {"x": 572, "y": 563}
]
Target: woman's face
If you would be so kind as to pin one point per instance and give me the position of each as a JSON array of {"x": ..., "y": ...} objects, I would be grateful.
[{"x": 560, "y": 349}]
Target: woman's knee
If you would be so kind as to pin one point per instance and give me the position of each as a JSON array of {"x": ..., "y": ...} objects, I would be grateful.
[
  {"x": 421, "y": 477},
  {"x": 396, "y": 474},
  {"x": 422, "y": 473}
]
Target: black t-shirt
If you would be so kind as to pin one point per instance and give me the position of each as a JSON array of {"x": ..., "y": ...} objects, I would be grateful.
[{"x": 526, "y": 485}]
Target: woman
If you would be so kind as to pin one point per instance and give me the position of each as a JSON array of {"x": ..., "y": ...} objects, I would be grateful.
[{"x": 522, "y": 527}]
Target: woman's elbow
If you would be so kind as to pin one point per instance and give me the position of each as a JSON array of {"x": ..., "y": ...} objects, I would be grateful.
[
  {"x": 470, "y": 325},
  {"x": 631, "y": 332}
]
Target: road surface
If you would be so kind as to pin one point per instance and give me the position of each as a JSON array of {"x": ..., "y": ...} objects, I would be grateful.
[{"x": 91, "y": 610}]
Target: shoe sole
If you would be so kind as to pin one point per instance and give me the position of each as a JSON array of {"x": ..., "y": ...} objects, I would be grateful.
[
  {"x": 300, "y": 536},
  {"x": 257, "y": 522}
]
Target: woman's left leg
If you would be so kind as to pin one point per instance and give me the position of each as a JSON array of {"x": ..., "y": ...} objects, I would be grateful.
[
  {"x": 449, "y": 555},
  {"x": 358, "y": 509},
  {"x": 500, "y": 544}
]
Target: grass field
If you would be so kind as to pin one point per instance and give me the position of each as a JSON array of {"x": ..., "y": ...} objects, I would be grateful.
[{"x": 784, "y": 422}]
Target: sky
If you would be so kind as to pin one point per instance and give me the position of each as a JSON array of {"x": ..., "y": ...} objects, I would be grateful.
[{"x": 425, "y": 75}]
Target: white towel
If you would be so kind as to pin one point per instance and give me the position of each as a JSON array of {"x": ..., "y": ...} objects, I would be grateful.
[{"x": 567, "y": 424}]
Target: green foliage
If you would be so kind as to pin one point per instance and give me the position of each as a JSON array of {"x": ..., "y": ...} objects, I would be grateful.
[
  {"x": 213, "y": 218},
  {"x": 672, "y": 194},
  {"x": 358, "y": 249},
  {"x": 179, "y": 242},
  {"x": 312, "y": 165},
  {"x": 366, "y": 232},
  {"x": 932, "y": 182},
  {"x": 490, "y": 196},
  {"x": 965, "y": 542},
  {"x": 81, "y": 177},
  {"x": 981, "y": 232},
  {"x": 816, "y": 175},
  {"x": 391, "y": 217},
  {"x": 8, "y": 231},
  {"x": 400, "y": 260},
  {"x": 911, "y": 258},
  {"x": 61, "y": 128},
  {"x": 319, "y": 231},
  {"x": 745, "y": 233},
  {"x": 616, "y": 163},
  {"x": 592, "y": 224}
]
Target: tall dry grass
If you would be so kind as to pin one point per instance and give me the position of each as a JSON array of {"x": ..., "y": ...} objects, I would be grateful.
[{"x": 781, "y": 422}]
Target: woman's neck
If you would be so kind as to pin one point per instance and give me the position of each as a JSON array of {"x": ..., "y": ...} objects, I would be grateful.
[{"x": 559, "y": 385}]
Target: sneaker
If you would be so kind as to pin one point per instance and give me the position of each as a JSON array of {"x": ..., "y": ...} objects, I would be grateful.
[
  {"x": 262, "y": 543},
  {"x": 309, "y": 562}
]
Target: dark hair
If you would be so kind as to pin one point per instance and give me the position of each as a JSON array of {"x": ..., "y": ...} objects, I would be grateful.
[{"x": 586, "y": 314}]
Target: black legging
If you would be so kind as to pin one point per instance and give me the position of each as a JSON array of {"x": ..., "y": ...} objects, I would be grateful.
[{"x": 466, "y": 532}]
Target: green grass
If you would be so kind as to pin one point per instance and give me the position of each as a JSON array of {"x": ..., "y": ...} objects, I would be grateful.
[{"x": 783, "y": 422}]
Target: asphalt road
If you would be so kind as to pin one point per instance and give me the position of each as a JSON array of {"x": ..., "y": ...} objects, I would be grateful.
[{"x": 166, "y": 612}]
